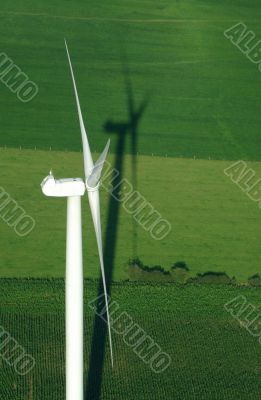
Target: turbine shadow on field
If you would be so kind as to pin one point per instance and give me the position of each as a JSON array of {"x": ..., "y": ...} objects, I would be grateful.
[
  {"x": 122, "y": 129},
  {"x": 129, "y": 128}
]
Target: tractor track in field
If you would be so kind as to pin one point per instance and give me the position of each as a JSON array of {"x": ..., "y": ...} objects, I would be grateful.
[{"x": 128, "y": 20}]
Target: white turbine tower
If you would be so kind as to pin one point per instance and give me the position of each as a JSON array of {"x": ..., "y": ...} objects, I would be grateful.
[{"x": 73, "y": 189}]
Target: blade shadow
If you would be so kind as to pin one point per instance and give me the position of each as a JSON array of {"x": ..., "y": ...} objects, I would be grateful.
[{"x": 122, "y": 129}]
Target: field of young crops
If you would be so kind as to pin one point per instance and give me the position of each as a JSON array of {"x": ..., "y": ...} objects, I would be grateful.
[
  {"x": 212, "y": 355},
  {"x": 201, "y": 91}
]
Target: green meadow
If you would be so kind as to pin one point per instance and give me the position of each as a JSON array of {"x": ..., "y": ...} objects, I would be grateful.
[
  {"x": 162, "y": 72},
  {"x": 215, "y": 226}
]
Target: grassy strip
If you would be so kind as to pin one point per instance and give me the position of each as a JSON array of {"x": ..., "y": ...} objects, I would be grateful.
[{"x": 215, "y": 227}]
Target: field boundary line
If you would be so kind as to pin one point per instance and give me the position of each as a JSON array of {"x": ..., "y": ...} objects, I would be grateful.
[{"x": 135, "y": 20}]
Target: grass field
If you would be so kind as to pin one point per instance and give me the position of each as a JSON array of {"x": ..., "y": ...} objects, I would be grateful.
[
  {"x": 215, "y": 227},
  {"x": 213, "y": 357},
  {"x": 179, "y": 62},
  {"x": 202, "y": 92}
]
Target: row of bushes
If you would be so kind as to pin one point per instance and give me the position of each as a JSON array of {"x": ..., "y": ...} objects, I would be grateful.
[{"x": 179, "y": 273}]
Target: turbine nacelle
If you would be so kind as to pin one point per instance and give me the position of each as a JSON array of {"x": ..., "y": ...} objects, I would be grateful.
[{"x": 62, "y": 187}]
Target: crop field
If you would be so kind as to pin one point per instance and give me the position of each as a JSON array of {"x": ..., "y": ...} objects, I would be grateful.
[
  {"x": 212, "y": 355},
  {"x": 198, "y": 91}
]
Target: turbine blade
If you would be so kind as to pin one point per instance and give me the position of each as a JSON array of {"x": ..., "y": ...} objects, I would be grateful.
[
  {"x": 94, "y": 201},
  {"x": 87, "y": 157},
  {"x": 95, "y": 176}
]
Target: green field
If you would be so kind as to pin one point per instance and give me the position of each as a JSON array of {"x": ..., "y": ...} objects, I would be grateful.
[
  {"x": 179, "y": 102},
  {"x": 202, "y": 92},
  {"x": 213, "y": 357},
  {"x": 215, "y": 226},
  {"x": 201, "y": 101}
]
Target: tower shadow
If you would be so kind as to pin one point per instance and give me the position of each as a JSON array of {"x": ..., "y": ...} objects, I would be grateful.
[
  {"x": 122, "y": 130},
  {"x": 135, "y": 116}
]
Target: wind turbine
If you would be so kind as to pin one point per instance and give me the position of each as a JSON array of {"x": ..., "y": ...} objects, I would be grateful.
[{"x": 74, "y": 189}]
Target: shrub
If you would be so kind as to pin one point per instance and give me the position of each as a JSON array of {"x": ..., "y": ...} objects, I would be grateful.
[
  {"x": 180, "y": 265},
  {"x": 255, "y": 280},
  {"x": 213, "y": 277},
  {"x": 139, "y": 271}
]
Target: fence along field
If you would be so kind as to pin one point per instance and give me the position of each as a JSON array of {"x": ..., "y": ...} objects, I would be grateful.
[{"x": 212, "y": 355}]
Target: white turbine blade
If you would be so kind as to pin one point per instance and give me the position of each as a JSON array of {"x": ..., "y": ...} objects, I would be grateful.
[
  {"x": 94, "y": 201},
  {"x": 95, "y": 176},
  {"x": 87, "y": 157}
]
